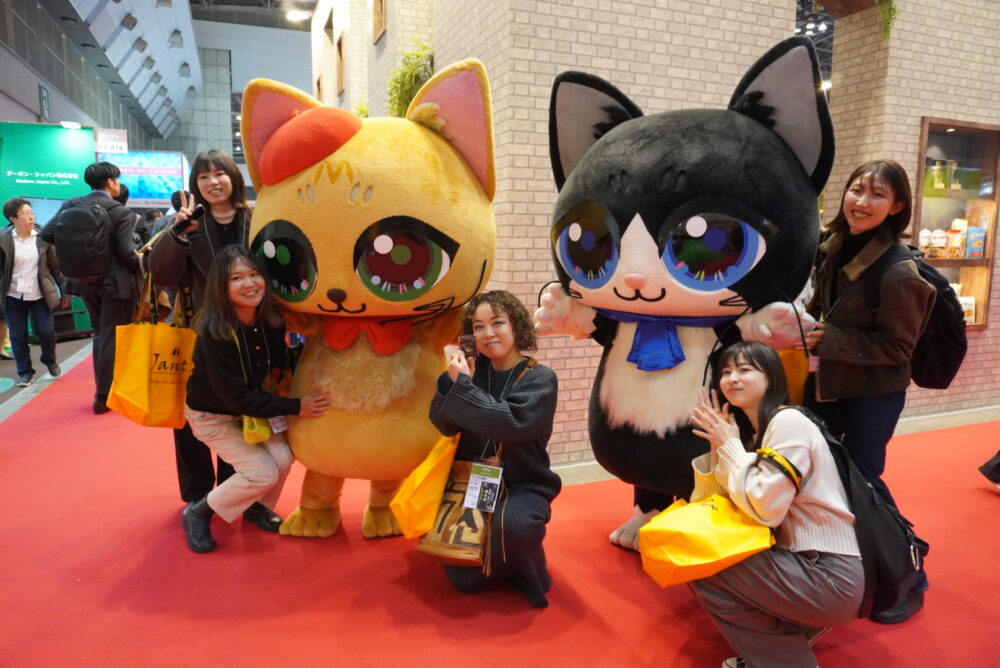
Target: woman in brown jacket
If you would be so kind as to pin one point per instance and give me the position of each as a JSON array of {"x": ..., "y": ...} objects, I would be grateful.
[{"x": 864, "y": 353}]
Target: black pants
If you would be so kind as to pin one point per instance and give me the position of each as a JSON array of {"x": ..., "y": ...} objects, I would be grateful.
[
  {"x": 106, "y": 313},
  {"x": 195, "y": 473}
]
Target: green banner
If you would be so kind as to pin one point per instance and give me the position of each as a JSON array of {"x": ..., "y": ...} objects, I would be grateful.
[{"x": 40, "y": 160}]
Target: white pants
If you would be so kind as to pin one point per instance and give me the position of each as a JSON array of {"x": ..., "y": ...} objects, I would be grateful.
[{"x": 261, "y": 468}]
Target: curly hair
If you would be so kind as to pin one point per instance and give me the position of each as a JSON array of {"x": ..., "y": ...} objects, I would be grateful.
[{"x": 501, "y": 300}]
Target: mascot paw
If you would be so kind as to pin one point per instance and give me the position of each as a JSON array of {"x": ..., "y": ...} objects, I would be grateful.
[
  {"x": 379, "y": 522},
  {"x": 558, "y": 314},
  {"x": 627, "y": 535},
  {"x": 777, "y": 325},
  {"x": 311, "y": 523}
]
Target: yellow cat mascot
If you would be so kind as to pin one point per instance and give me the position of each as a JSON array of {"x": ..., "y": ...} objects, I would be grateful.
[{"x": 374, "y": 232}]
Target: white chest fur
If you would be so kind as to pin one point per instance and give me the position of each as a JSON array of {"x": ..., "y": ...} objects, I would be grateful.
[{"x": 654, "y": 401}]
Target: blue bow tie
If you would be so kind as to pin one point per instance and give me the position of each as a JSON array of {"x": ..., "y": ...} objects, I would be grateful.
[{"x": 656, "y": 345}]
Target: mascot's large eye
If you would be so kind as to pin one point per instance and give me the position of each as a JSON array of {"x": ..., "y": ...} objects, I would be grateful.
[
  {"x": 586, "y": 243},
  {"x": 401, "y": 258},
  {"x": 289, "y": 259},
  {"x": 711, "y": 251}
]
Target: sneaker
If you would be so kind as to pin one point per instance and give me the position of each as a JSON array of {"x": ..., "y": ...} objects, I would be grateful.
[
  {"x": 905, "y": 609},
  {"x": 25, "y": 380},
  {"x": 734, "y": 662},
  {"x": 54, "y": 370}
]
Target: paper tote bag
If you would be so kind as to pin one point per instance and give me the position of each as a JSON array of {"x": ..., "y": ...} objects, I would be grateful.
[
  {"x": 152, "y": 366},
  {"x": 689, "y": 541},
  {"x": 415, "y": 504}
]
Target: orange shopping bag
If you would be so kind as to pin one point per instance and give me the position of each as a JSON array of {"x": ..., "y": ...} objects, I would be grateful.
[
  {"x": 416, "y": 502},
  {"x": 152, "y": 366}
]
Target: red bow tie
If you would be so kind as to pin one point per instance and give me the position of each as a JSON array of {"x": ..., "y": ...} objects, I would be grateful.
[{"x": 386, "y": 337}]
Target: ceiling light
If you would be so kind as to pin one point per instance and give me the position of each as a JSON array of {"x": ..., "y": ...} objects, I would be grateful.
[
  {"x": 156, "y": 78},
  {"x": 809, "y": 32},
  {"x": 128, "y": 22},
  {"x": 238, "y": 148},
  {"x": 810, "y": 26},
  {"x": 298, "y": 14},
  {"x": 139, "y": 44},
  {"x": 797, "y": 30},
  {"x": 70, "y": 125},
  {"x": 236, "y": 134},
  {"x": 162, "y": 91},
  {"x": 950, "y": 130},
  {"x": 191, "y": 92},
  {"x": 826, "y": 85},
  {"x": 822, "y": 27},
  {"x": 148, "y": 63},
  {"x": 239, "y": 117},
  {"x": 185, "y": 70},
  {"x": 176, "y": 38}
]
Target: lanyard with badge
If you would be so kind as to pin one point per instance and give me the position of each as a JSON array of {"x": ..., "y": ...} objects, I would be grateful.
[{"x": 486, "y": 476}]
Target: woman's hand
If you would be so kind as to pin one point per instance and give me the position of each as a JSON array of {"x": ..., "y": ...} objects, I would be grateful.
[
  {"x": 314, "y": 405},
  {"x": 184, "y": 213},
  {"x": 814, "y": 336},
  {"x": 459, "y": 363},
  {"x": 715, "y": 423}
]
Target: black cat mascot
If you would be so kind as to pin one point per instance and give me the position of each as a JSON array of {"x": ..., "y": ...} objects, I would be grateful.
[{"x": 676, "y": 233}]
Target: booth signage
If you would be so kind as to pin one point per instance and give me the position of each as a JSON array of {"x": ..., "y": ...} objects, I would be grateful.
[
  {"x": 41, "y": 160},
  {"x": 110, "y": 141}
]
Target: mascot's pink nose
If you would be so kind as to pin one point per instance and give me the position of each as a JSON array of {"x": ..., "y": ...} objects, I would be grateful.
[
  {"x": 635, "y": 281},
  {"x": 336, "y": 296}
]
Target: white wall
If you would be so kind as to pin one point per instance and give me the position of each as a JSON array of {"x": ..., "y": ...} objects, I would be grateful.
[{"x": 272, "y": 53}]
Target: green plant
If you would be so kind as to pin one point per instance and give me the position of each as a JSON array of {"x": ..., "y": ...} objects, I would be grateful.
[
  {"x": 361, "y": 109},
  {"x": 415, "y": 68},
  {"x": 889, "y": 12}
]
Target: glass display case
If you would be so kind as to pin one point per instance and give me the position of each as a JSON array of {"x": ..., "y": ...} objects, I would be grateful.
[{"x": 955, "y": 207}]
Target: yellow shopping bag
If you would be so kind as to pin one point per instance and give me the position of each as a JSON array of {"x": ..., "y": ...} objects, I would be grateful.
[
  {"x": 416, "y": 502},
  {"x": 795, "y": 363},
  {"x": 152, "y": 366},
  {"x": 689, "y": 541}
]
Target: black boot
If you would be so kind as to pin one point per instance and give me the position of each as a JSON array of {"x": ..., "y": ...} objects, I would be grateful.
[{"x": 196, "y": 518}]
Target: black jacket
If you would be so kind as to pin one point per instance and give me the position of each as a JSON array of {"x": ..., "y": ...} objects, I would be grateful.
[
  {"x": 124, "y": 278},
  {"x": 218, "y": 384}
]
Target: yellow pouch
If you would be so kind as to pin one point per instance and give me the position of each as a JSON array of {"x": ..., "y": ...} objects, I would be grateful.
[
  {"x": 416, "y": 502},
  {"x": 256, "y": 429},
  {"x": 689, "y": 541}
]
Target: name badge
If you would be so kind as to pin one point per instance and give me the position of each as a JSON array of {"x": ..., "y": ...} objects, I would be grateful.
[
  {"x": 24, "y": 283},
  {"x": 278, "y": 424},
  {"x": 484, "y": 487}
]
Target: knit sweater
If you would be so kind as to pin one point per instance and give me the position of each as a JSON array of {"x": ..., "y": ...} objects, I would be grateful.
[
  {"x": 521, "y": 421},
  {"x": 817, "y": 517}
]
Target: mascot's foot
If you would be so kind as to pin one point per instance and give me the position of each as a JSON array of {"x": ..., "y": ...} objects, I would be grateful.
[
  {"x": 627, "y": 535},
  {"x": 379, "y": 522},
  {"x": 312, "y": 523}
]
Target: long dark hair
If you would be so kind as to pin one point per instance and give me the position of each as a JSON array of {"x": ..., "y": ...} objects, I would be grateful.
[
  {"x": 766, "y": 360},
  {"x": 216, "y": 319},
  {"x": 892, "y": 175},
  {"x": 501, "y": 300},
  {"x": 213, "y": 159}
]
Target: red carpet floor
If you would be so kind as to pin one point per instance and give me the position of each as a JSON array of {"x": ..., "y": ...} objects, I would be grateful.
[{"x": 95, "y": 571}]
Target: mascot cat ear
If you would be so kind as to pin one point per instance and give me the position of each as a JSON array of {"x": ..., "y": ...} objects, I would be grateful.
[
  {"x": 456, "y": 104},
  {"x": 285, "y": 130},
  {"x": 782, "y": 90},
  {"x": 583, "y": 109}
]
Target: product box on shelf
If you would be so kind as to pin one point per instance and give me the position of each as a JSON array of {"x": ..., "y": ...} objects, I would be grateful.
[{"x": 975, "y": 241}]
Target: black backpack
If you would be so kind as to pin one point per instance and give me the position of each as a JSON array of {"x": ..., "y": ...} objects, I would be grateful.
[
  {"x": 83, "y": 240},
  {"x": 892, "y": 555},
  {"x": 941, "y": 348}
]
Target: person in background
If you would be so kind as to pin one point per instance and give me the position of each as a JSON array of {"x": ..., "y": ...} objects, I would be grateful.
[
  {"x": 863, "y": 354},
  {"x": 144, "y": 226},
  {"x": 241, "y": 341},
  {"x": 175, "y": 205},
  {"x": 503, "y": 397},
  {"x": 31, "y": 286},
  {"x": 772, "y": 606},
  {"x": 111, "y": 299},
  {"x": 182, "y": 256}
]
